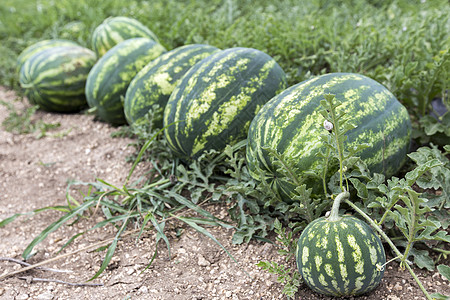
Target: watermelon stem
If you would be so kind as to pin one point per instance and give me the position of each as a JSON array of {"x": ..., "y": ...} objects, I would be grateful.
[
  {"x": 339, "y": 137},
  {"x": 381, "y": 268},
  {"x": 391, "y": 244},
  {"x": 334, "y": 214},
  {"x": 325, "y": 170}
]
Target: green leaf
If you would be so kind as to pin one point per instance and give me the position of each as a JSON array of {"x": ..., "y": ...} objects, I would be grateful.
[
  {"x": 110, "y": 251},
  {"x": 422, "y": 259},
  {"x": 10, "y": 219},
  {"x": 52, "y": 227},
  {"x": 182, "y": 200},
  {"x": 412, "y": 176},
  {"x": 70, "y": 241},
  {"x": 205, "y": 232},
  {"x": 438, "y": 296},
  {"x": 444, "y": 270},
  {"x": 115, "y": 219},
  {"x": 361, "y": 188},
  {"x": 160, "y": 231},
  {"x": 143, "y": 149}
]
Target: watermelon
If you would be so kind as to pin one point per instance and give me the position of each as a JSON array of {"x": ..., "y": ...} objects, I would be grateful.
[
  {"x": 55, "y": 78},
  {"x": 39, "y": 46},
  {"x": 340, "y": 258},
  {"x": 156, "y": 81},
  {"x": 291, "y": 124},
  {"x": 217, "y": 98},
  {"x": 340, "y": 255},
  {"x": 108, "y": 80},
  {"x": 114, "y": 30}
]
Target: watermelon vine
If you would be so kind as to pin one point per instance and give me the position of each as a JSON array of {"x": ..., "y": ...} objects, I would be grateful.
[
  {"x": 411, "y": 200},
  {"x": 402, "y": 215}
]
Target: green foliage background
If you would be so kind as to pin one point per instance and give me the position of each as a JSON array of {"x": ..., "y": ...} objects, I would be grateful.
[{"x": 402, "y": 44}]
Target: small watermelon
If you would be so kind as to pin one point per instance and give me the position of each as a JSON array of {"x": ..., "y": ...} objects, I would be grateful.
[
  {"x": 114, "y": 30},
  {"x": 340, "y": 255},
  {"x": 108, "y": 80},
  {"x": 292, "y": 125},
  {"x": 340, "y": 258},
  {"x": 55, "y": 78},
  {"x": 39, "y": 46},
  {"x": 217, "y": 98},
  {"x": 156, "y": 81}
]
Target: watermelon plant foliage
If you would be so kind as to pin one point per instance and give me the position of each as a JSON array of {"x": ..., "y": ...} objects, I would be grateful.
[
  {"x": 396, "y": 206},
  {"x": 402, "y": 44},
  {"x": 22, "y": 122}
]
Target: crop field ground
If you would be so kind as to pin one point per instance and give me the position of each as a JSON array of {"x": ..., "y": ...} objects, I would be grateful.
[{"x": 71, "y": 188}]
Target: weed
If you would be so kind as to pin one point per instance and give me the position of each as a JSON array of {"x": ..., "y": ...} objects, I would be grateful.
[{"x": 22, "y": 122}]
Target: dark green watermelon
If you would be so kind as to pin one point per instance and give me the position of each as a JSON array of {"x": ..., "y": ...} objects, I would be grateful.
[
  {"x": 154, "y": 84},
  {"x": 216, "y": 100}
]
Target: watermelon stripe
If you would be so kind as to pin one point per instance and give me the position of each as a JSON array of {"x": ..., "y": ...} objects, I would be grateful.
[
  {"x": 342, "y": 262},
  {"x": 111, "y": 75},
  {"x": 114, "y": 30},
  {"x": 291, "y": 124},
  {"x": 154, "y": 84},
  {"x": 55, "y": 78},
  {"x": 40, "y": 46},
  {"x": 217, "y": 99}
]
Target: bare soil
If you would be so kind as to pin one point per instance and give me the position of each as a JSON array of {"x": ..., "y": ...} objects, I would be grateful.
[{"x": 34, "y": 173}]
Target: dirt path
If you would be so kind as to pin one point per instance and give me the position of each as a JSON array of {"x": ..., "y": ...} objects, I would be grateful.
[{"x": 34, "y": 173}]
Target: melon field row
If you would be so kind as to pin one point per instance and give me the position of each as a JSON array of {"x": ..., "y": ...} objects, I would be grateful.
[{"x": 279, "y": 110}]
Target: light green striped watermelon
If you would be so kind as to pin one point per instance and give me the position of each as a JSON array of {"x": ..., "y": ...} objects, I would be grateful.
[
  {"x": 217, "y": 98},
  {"x": 39, "y": 46},
  {"x": 341, "y": 257},
  {"x": 55, "y": 78},
  {"x": 114, "y": 30},
  {"x": 110, "y": 77},
  {"x": 154, "y": 84},
  {"x": 291, "y": 124}
]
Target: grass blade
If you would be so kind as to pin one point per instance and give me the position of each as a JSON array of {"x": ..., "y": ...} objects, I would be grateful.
[
  {"x": 143, "y": 224},
  {"x": 109, "y": 184},
  {"x": 205, "y": 232},
  {"x": 160, "y": 232},
  {"x": 10, "y": 219},
  {"x": 52, "y": 227},
  {"x": 182, "y": 200},
  {"x": 110, "y": 251},
  {"x": 114, "y": 206},
  {"x": 70, "y": 241},
  {"x": 153, "y": 257},
  {"x": 115, "y": 219},
  {"x": 204, "y": 221},
  {"x": 143, "y": 149}
]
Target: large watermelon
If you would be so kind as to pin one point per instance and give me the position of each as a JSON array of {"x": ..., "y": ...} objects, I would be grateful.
[
  {"x": 217, "y": 98},
  {"x": 156, "y": 81},
  {"x": 291, "y": 124},
  {"x": 342, "y": 257},
  {"x": 114, "y": 30},
  {"x": 39, "y": 46},
  {"x": 108, "y": 80},
  {"x": 55, "y": 78}
]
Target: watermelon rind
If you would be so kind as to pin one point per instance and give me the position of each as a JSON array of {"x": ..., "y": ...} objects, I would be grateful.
[
  {"x": 340, "y": 258},
  {"x": 154, "y": 84},
  {"x": 114, "y": 30},
  {"x": 110, "y": 77},
  {"x": 55, "y": 78},
  {"x": 217, "y": 98},
  {"x": 291, "y": 125},
  {"x": 39, "y": 46}
]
